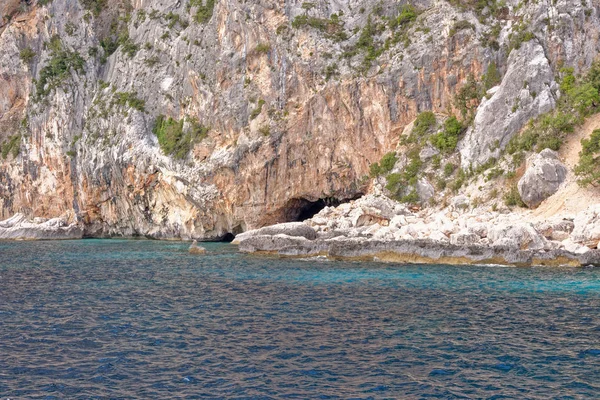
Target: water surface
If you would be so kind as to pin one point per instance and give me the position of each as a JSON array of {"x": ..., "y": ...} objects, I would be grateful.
[{"x": 143, "y": 319}]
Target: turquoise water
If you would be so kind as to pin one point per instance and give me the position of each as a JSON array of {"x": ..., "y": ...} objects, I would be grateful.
[{"x": 143, "y": 319}]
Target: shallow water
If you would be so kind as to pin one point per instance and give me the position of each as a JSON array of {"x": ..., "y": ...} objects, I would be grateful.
[{"x": 143, "y": 319}]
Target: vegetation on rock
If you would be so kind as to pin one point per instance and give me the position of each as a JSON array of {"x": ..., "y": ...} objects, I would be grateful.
[
  {"x": 176, "y": 138},
  {"x": 58, "y": 68}
]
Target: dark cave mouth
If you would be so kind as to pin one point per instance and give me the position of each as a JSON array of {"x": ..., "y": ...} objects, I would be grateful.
[
  {"x": 301, "y": 209},
  {"x": 227, "y": 238}
]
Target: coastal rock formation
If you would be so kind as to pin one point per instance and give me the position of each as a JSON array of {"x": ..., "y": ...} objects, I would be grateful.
[
  {"x": 204, "y": 119},
  {"x": 545, "y": 173},
  {"x": 473, "y": 237},
  {"x": 19, "y": 227},
  {"x": 295, "y": 229}
]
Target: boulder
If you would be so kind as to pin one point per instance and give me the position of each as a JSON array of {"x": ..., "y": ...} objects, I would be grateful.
[
  {"x": 555, "y": 228},
  {"x": 195, "y": 249},
  {"x": 464, "y": 238},
  {"x": 586, "y": 227},
  {"x": 460, "y": 202},
  {"x": 521, "y": 235},
  {"x": 425, "y": 190},
  {"x": 544, "y": 175}
]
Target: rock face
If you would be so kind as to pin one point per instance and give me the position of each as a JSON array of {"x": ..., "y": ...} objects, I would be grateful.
[
  {"x": 527, "y": 90},
  {"x": 544, "y": 175},
  {"x": 19, "y": 227},
  {"x": 297, "y": 108}
]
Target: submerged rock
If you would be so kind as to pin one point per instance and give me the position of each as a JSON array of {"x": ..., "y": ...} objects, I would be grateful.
[{"x": 195, "y": 249}]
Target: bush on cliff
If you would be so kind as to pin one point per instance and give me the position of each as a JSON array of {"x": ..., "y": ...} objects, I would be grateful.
[
  {"x": 588, "y": 168},
  {"x": 176, "y": 141},
  {"x": 58, "y": 68}
]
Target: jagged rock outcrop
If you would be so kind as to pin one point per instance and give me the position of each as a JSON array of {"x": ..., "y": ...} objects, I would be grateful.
[
  {"x": 300, "y": 101},
  {"x": 527, "y": 90},
  {"x": 544, "y": 175}
]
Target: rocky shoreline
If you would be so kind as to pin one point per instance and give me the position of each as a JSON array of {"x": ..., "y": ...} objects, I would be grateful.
[
  {"x": 376, "y": 228},
  {"x": 19, "y": 227}
]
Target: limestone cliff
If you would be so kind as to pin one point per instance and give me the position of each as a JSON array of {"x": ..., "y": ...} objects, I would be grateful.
[{"x": 198, "y": 118}]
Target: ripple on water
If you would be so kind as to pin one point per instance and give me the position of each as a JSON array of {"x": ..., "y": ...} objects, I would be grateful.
[{"x": 144, "y": 319}]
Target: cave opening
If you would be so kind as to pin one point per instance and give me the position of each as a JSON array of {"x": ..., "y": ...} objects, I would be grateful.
[
  {"x": 301, "y": 209},
  {"x": 228, "y": 237}
]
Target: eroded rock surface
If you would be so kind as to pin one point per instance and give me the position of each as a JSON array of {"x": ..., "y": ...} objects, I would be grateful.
[{"x": 544, "y": 175}]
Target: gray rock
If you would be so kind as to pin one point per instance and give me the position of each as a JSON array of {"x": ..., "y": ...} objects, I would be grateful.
[
  {"x": 294, "y": 229},
  {"x": 464, "y": 239},
  {"x": 586, "y": 229},
  {"x": 413, "y": 251},
  {"x": 544, "y": 175},
  {"x": 521, "y": 235},
  {"x": 19, "y": 228},
  {"x": 499, "y": 118},
  {"x": 195, "y": 249},
  {"x": 428, "y": 152},
  {"x": 461, "y": 202},
  {"x": 425, "y": 190},
  {"x": 555, "y": 228}
]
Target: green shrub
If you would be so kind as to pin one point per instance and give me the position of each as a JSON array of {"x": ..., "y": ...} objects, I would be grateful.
[
  {"x": 513, "y": 198},
  {"x": 491, "y": 77},
  {"x": 424, "y": 124},
  {"x": 388, "y": 161},
  {"x": 468, "y": 96},
  {"x": 547, "y": 131},
  {"x": 204, "y": 11},
  {"x": 407, "y": 15},
  {"x": 262, "y": 48},
  {"x": 128, "y": 47},
  {"x": 374, "y": 170},
  {"x": 94, "y": 6},
  {"x": 130, "y": 99},
  {"x": 27, "y": 54},
  {"x": 588, "y": 168},
  {"x": 176, "y": 141},
  {"x": 384, "y": 166},
  {"x": 332, "y": 28},
  {"x": 461, "y": 25},
  {"x": 411, "y": 198},
  {"x": 256, "y": 112},
  {"x": 11, "y": 146},
  {"x": 58, "y": 68},
  {"x": 449, "y": 169},
  {"x": 447, "y": 140}
]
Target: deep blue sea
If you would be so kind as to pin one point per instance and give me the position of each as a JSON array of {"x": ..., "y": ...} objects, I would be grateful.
[{"x": 143, "y": 319}]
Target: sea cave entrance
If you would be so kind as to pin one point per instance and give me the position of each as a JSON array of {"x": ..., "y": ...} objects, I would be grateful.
[{"x": 301, "y": 209}]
